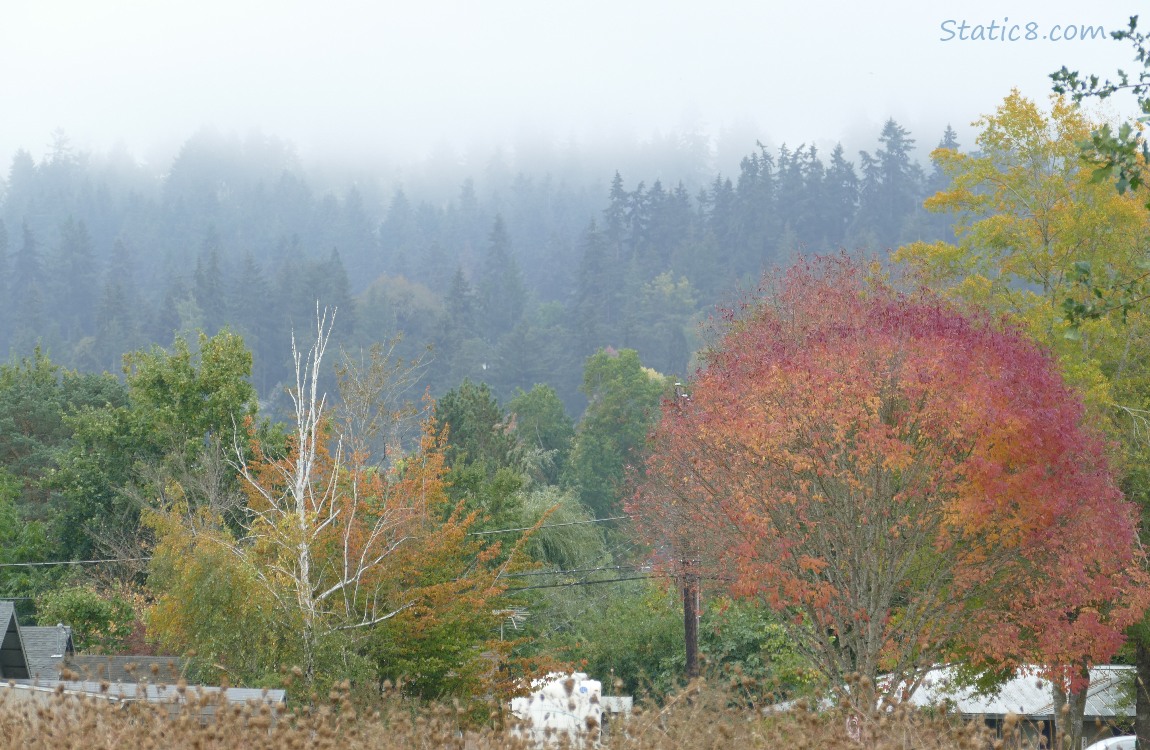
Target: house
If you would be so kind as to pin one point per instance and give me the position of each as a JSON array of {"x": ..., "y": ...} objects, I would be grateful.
[
  {"x": 127, "y": 669},
  {"x": 13, "y": 662},
  {"x": 1109, "y": 701},
  {"x": 50, "y": 655},
  {"x": 563, "y": 706},
  {"x": 45, "y": 649},
  {"x": 36, "y": 661}
]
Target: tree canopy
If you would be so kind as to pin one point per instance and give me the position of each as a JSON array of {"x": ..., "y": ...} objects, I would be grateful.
[{"x": 905, "y": 481}]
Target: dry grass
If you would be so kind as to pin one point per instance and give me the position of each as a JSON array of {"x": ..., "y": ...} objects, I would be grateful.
[{"x": 699, "y": 717}]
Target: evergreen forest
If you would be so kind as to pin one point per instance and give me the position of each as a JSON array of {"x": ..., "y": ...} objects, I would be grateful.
[{"x": 511, "y": 278}]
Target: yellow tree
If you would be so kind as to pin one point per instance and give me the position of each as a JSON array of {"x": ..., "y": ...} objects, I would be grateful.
[
  {"x": 208, "y": 600},
  {"x": 1030, "y": 222},
  {"x": 1028, "y": 214}
]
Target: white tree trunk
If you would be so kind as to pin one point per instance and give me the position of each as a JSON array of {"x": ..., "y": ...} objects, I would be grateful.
[{"x": 294, "y": 522}]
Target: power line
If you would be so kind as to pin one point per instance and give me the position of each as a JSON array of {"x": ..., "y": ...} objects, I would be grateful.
[
  {"x": 74, "y": 562},
  {"x": 547, "y": 526},
  {"x": 473, "y": 533},
  {"x": 586, "y": 583},
  {"x": 569, "y": 572}
]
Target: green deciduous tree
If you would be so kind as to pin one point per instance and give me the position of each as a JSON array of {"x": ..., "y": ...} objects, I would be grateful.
[
  {"x": 611, "y": 438},
  {"x": 101, "y": 622},
  {"x": 185, "y": 396},
  {"x": 39, "y": 402},
  {"x": 22, "y": 540},
  {"x": 1118, "y": 154},
  {"x": 181, "y": 408},
  {"x": 541, "y": 425}
]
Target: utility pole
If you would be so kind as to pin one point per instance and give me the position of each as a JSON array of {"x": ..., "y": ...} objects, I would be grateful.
[
  {"x": 690, "y": 621},
  {"x": 690, "y": 581}
]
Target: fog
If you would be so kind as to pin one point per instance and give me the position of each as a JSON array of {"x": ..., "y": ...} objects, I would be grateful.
[{"x": 397, "y": 83}]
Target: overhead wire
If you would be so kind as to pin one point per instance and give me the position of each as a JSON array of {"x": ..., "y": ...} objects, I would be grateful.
[
  {"x": 146, "y": 559},
  {"x": 570, "y": 571},
  {"x": 547, "y": 526},
  {"x": 74, "y": 562},
  {"x": 572, "y": 584}
]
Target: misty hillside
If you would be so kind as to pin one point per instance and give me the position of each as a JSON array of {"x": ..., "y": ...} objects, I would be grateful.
[{"x": 512, "y": 277}]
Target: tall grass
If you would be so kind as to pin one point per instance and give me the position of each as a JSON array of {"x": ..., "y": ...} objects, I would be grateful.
[{"x": 698, "y": 717}]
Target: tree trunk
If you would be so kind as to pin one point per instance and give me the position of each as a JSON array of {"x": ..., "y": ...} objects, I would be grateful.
[
  {"x": 1078, "y": 707},
  {"x": 1142, "y": 689},
  {"x": 690, "y": 626},
  {"x": 1069, "y": 708},
  {"x": 1061, "y": 714}
]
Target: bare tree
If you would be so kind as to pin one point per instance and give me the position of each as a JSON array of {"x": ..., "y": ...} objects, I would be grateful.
[
  {"x": 379, "y": 411},
  {"x": 317, "y": 530}
]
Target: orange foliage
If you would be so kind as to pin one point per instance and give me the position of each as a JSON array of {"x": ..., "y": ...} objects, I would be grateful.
[{"x": 909, "y": 482}]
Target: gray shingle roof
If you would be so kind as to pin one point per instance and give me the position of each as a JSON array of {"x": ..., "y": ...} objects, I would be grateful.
[
  {"x": 13, "y": 663},
  {"x": 167, "y": 694},
  {"x": 45, "y": 648},
  {"x": 155, "y": 670},
  {"x": 171, "y": 693}
]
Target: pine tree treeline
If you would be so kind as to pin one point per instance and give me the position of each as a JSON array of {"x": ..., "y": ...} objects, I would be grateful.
[{"x": 512, "y": 284}]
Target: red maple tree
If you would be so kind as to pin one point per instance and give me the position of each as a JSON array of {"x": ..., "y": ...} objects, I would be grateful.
[{"x": 907, "y": 482}]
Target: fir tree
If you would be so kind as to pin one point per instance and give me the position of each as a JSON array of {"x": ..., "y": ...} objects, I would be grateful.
[
  {"x": 27, "y": 313},
  {"x": 72, "y": 289},
  {"x": 118, "y": 311},
  {"x": 502, "y": 294},
  {"x": 208, "y": 289},
  {"x": 842, "y": 197}
]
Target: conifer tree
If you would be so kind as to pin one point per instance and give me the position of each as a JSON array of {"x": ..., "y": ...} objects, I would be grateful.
[
  {"x": 208, "y": 289},
  {"x": 892, "y": 185},
  {"x": 596, "y": 303},
  {"x": 4, "y": 294},
  {"x": 502, "y": 294},
  {"x": 73, "y": 292},
  {"x": 118, "y": 311},
  {"x": 252, "y": 318},
  {"x": 842, "y": 196},
  {"x": 29, "y": 320}
]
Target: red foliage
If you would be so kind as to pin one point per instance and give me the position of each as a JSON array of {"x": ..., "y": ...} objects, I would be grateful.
[{"x": 909, "y": 481}]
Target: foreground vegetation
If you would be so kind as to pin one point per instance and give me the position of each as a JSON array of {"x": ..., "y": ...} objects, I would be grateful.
[{"x": 699, "y": 717}]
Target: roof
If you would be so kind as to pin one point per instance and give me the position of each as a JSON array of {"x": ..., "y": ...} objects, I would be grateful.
[
  {"x": 150, "y": 693},
  {"x": 45, "y": 648},
  {"x": 1028, "y": 695},
  {"x": 13, "y": 663},
  {"x": 167, "y": 693},
  {"x": 31, "y": 659},
  {"x": 126, "y": 669}
]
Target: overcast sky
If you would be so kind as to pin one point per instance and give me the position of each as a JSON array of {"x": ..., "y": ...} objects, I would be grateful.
[{"x": 401, "y": 78}]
